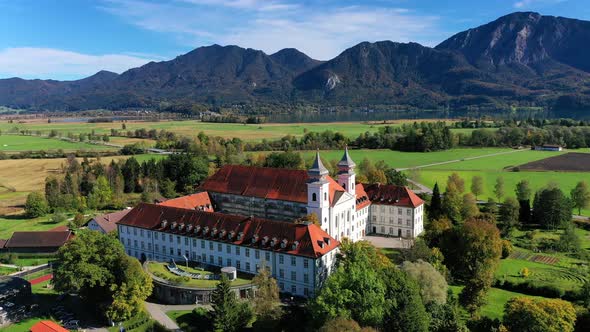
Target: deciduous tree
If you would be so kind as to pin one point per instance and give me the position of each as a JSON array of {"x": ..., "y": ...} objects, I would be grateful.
[
  {"x": 552, "y": 208},
  {"x": 228, "y": 313},
  {"x": 499, "y": 188},
  {"x": 539, "y": 315},
  {"x": 580, "y": 196},
  {"x": 36, "y": 205},
  {"x": 509, "y": 215},
  {"x": 477, "y": 186},
  {"x": 433, "y": 286},
  {"x": 469, "y": 207}
]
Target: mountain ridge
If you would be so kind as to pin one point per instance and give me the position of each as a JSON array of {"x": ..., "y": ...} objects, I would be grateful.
[{"x": 523, "y": 58}]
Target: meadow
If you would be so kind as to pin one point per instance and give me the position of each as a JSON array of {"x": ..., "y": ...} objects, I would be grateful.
[
  {"x": 16, "y": 143},
  {"x": 191, "y": 128}
]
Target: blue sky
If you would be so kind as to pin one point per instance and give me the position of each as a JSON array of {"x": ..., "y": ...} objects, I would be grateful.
[{"x": 71, "y": 39}]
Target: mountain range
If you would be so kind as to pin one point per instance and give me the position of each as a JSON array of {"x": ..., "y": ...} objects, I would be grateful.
[{"x": 521, "y": 59}]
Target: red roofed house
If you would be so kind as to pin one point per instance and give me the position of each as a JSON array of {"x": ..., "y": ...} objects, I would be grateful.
[
  {"x": 47, "y": 326},
  {"x": 199, "y": 201},
  {"x": 106, "y": 223}
]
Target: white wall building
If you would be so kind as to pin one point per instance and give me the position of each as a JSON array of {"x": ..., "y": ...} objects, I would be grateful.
[{"x": 299, "y": 256}]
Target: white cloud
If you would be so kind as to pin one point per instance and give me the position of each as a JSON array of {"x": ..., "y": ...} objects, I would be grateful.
[
  {"x": 522, "y": 4},
  {"x": 321, "y": 32},
  {"x": 30, "y": 62}
]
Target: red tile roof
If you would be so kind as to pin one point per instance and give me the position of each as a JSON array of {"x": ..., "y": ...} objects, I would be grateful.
[
  {"x": 198, "y": 201},
  {"x": 108, "y": 222},
  {"x": 61, "y": 228},
  {"x": 362, "y": 200},
  {"x": 388, "y": 194},
  {"x": 47, "y": 326},
  {"x": 258, "y": 233},
  {"x": 46, "y": 239},
  {"x": 270, "y": 183}
]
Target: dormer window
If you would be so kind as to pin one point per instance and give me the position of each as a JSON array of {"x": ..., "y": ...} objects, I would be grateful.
[
  {"x": 173, "y": 226},
  {"x": 197, "y": 229},
  {"x": 294, "y": 246},
  {"x": 284, "y": 243},
  {"x": 255, "y": 238},
  {"x": 180, "y": 226},
  {"x": 240, "y": 236},
  {"x": 265, "y": 240},
  {"x": 189, "y": 228},
  {"x": 273, "y": 242},
  {"x": 206, "y": 230},
  {"x": 164, "y": 223},
  {"x": 222, "y": 234},
  {"x": 231, "y": 235},
  {"x": 327, "y": 240}
]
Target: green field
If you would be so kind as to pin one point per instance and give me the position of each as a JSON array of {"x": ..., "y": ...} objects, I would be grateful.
[
  {"x": 10, "y": 224},
  {"x": 249, "y": 132},
  {"x": 15, "y": 143},
  {"x": 495, "y": 301}
]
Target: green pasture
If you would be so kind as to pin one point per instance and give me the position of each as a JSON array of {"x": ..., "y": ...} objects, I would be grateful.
[
  {"x": 15, "y": 143},
  {"x": 496, "y": 299},
  {"x": 191, "y": 128},
  {"x": 10, "y": 224}
]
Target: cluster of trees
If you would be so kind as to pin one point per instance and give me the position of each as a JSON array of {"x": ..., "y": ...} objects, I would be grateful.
[
  {"x": 93, "y": 185},
  {"x": 367, "y": 290},
  {"x": 571, "y": 137},
  {"x": 422, "y": 136},
  {"x": 95, "y": 266}
]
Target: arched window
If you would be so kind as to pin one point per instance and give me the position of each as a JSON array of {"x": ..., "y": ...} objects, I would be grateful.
[
  {"x": 314, "y": 197},
  {"x": 325, "y": 196},
  {"x": 344, "y": 186}
]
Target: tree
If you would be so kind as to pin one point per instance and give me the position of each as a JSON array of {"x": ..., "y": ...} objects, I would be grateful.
[
  {"x": 128, "y": 296},
  {"x": 131, "y": 174},
  {"x": 95, "y": 266},
  {"x": 491, "y": 206},
  {"x": 404, "y": 308},
  {"x": 539, "y": 315},
  {"x": 477, "y": 185},
  {"x": 455, "y": 180},
  {"x": 101, "y": 195},
  {"x": 435, "y": 230},
  {"x": 433, "y": 286},
  {"x": 376, "y": 176},
  {"x": 499, "y": 188},
  {"x": 580, "y": 196},
  {"x": 228, "y": 313},
  {"x": 569, "y": 241},
  {"x": 523, "y": 195},
  {"x": 341, "y": 324},
  {"x": 396, "y": 178},
  {"x": 52, "y": 192},
  {"x": 288, "y": 159},
  {"x": 266, "y": 304},
  {"x": 551, "y": 208},
  {"x": 452, "y": 203},
  {"x": 36, "y": 205},
  {"x": 472, "y": 252},
  {"x": 186, "y": 170},
  {"x": 509, "y": 215},
  {"x": 435, "y": 211},
  {"x": 469, "y": 207}
]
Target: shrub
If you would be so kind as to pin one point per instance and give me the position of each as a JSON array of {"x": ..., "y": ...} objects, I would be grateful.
[
  {"x": 507, "y": 248},
  {"x": 531, "y": 288},
  {"x": 525, "y": 272}
]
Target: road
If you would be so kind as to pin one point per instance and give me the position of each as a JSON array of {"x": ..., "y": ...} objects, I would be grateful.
[
  {"x": 462, "y": 159},
  {"x": 158, "y": 312}
]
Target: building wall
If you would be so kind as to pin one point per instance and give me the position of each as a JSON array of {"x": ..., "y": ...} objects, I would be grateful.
[
  {"x": 93, "y": 225},
  {"x": 392, "y": 220},
  {"x": 258, "y": 207},
  {"x": 297, "y": 275}
]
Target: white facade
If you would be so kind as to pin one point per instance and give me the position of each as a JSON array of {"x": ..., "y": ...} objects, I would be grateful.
[
  {"x": 398, "y": 221},
  {"x": 298, "y": 275}
]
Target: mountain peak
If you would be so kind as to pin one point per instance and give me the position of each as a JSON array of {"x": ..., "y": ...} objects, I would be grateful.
[{"x": 294, "y": 60}]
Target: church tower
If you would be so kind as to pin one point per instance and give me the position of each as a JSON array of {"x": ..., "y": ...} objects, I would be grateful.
[
  {"x": 318, "y": 192},
  {"x": 346, "y": 175}
]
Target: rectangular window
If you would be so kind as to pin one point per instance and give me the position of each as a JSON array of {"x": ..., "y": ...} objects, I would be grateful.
[
  {"x": 219, "y": 261},
  {"x": 156, "y": 247},
  {"x": 141, "y": 232},
  {"x": 281, "y": 273},
  {"x": 135, "y": 231},
  {"x": 129, "y": 242},
  {"x": 408, "y": 233},
  {"x": 293, "y": 275},
  {"x": 267, "y": 256},
  {"x": 203, "y": 258},
  {"x": 257, "y": 254},
  {"x": 228, "y": 261},
  {"x": 186, "y": 241},
  {"x": 409, "y": 222},
  {"x": 164, "y": 250},
  {"x": 306, "y": 291},
  {"x": 293, "y": 289},
  {"x": 238, "y": 265},
  {"x": 194, "y": 242},
  {"x": 211, "y": 259},
  {"x": 391, "y": 221},
  {"x": 237, "y": 250},
  {"x": 228, "y": 248},
  {"x": 409, "y": 212},
  {"x": 247, "y": 266},
  {"x": 305, "y": 263},
  {"x": 219, "y": 247},
  {"x": 399, "y": 211},
  {"x": 135, "y": 243},
  {"x": 305, "y": 277},
  {"x": 171, "y": 251},
  {"x": 281, "y": 286},
  {"x": 281, "y": 259},
  {"x": 382, "y": 229},
  {"x": 293, "y": 261},
  {"x": 399, "y": 221},
  {"x": 247, "y": 253},
  {"x": 156, "y": 236},
  {"x": 202, "y": 244},
  {"x": 211, "y": 245},
  {"x": 178, "y": 252}
]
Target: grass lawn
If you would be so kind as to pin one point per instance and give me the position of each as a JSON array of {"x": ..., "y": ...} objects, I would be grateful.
[
  {"x": 495, "y": 301},
  {"x": 24, "y": 326},
  {"x": 160, "y": 270},
  {"x": 10, "y": 224},
  {"x": 191, "y": 128},
  {"x": 6, "y": 270},
  {"x": 14, "y": 143}
]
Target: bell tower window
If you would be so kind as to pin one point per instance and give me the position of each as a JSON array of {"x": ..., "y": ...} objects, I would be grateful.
[
  {"x": 314, "y": 197},
  {"x": 325, "y": 196}
]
